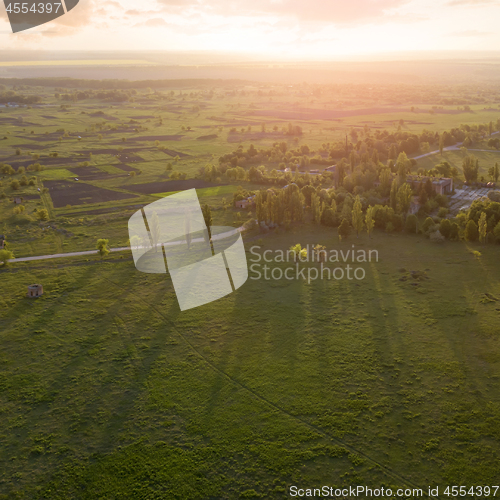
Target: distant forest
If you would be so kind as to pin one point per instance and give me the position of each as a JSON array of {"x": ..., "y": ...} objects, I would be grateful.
[{"x": 119, "y": 84}]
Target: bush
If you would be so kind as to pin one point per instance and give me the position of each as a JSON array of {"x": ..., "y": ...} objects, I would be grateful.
[
  {"x": 496, "y": 232},
  {"x": 454, "y": 231},
  {"x": 5, "y": 256},
  {"x": 441, "y": 200},
  {"x": 7, "y": 169},
  {"x": 382, "y": 215},
  {"x": 471, "y": 231},
  {"x": 411, "y": 224},
  {"x": 397, "y": 222},
  {"x": 445, "y": 228},
  {"x": 428, "y": 224},
  {"x": 436, "y": 237},
  {"x": 42, "y": 214},
  {"x": 494, "y": 196},
  {"x": 329, "y": 218},
  {"x": 15, "y": 185},
  {"x": 443, "y": 212}
]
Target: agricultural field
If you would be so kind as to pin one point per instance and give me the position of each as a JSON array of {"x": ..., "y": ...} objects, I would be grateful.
[
  {"x": 105, "y": 157},
  {"x": 108, "y": 391}
]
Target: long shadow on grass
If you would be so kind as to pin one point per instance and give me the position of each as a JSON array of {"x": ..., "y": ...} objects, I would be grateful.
[{"x": 122, "y": 290}]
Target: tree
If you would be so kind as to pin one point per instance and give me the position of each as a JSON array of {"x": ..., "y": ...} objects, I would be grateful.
[
  {"x": 402, "y": 164},
  {"x": 394, "y": 195},
  {"x": 298, "y": 251},
  {"x": 428, "y": 224},
  {"x": 369, "y": 220},
  {"x": 404, "y": 197},
  {"x": 445, "y": 228},
  {"x": 441, "y": 144},
  {"x": 454, "y": 231},
  {"x": 496, "y": 232},
  {"x": 392, "y": 152},
  {"x": 344, "y": 229},
  {"x": 482, "y": 227},
  {"x": 15, "y": 185},
  {"x": 470, "y": 167},
  {"x": 357, "y": 216},
  {"x": 385, "y": 181},
  {"x": 317, "y": 207},
  {"x": 102, "y": 247},
  {"x": 494, "y": 173},
  {"x": 411, "y": 224},
  {"x": 471, "y": 231},
  {"x": 207, "y": 215},
  {"x": 42, "y": 214},
  {"x": 5, "y": 256}
]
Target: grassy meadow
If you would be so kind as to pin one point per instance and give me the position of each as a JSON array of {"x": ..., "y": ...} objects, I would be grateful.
[{"x": 108, "y": 391}]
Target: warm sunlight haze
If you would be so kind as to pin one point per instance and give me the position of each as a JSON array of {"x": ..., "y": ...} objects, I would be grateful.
[{"x": 290, "y": 29}]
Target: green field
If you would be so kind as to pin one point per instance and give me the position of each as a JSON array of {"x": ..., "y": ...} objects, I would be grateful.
[
  {"x": 215, "y": 191},
  {"x": 57, "y": 173},
  {"x": 108, "y": 391}
]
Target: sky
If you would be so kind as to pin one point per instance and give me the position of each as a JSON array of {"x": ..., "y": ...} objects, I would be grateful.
[{"x": 288, "y": 29}]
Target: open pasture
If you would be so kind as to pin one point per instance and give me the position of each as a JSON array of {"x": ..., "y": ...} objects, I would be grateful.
[{"x": 107, "y": 390}]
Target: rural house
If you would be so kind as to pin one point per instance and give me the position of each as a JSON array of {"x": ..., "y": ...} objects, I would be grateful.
[
  {"x": 440, "y": 185},
  {"x": 245, "y": 203},
  {"x": 34, "y": 291},
  {"x": 17, "y": 200}
]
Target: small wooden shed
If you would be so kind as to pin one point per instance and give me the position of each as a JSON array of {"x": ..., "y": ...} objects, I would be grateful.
[{"x": 35, "y": 291}]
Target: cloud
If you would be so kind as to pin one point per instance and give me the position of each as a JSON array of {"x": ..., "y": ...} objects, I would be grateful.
[
  {"x": 464, "y": 3},
  {"x": 470, "y": 33},
  {"x": 326, "y": 11},
  {"x": 155, "y": 22},
  {"x": 138, "y": 13}
]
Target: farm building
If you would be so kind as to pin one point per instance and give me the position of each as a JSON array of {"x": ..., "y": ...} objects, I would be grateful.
[
  {"x": 246, "y": 203},
  {"x": 17, "y": 200},
  {"x": 440, "y": 185},
  {"x": 34, "y": 291}
]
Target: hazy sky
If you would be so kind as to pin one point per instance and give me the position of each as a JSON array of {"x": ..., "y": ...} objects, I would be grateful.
[{"x": 296, "y": 29}]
